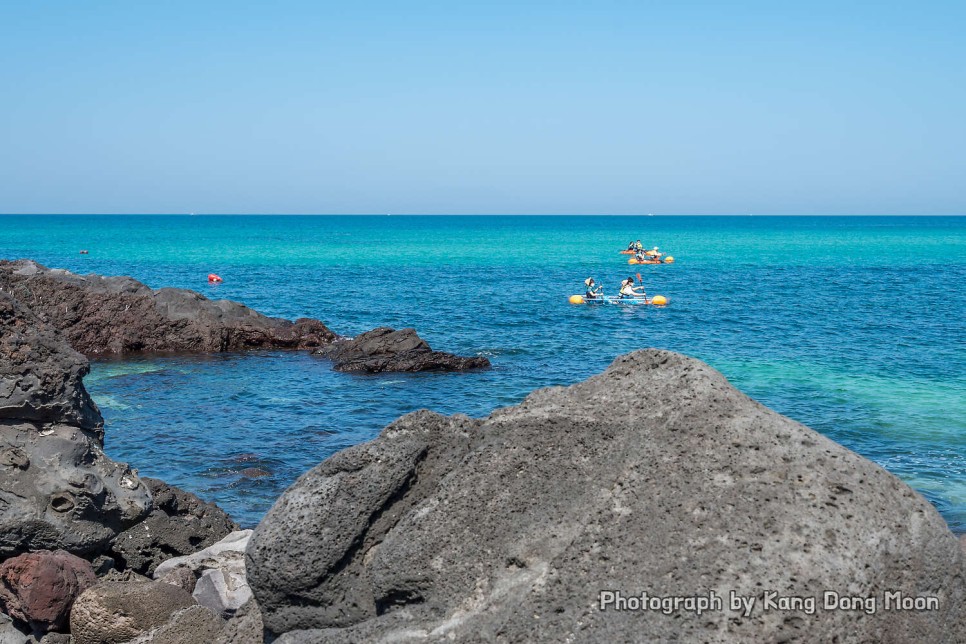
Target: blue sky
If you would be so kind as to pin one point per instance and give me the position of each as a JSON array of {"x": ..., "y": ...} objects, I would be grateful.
[{"x": 497, "y": 107}]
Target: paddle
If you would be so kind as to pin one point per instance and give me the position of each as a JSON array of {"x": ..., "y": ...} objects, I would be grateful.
[{"x": 641, "y": 282}]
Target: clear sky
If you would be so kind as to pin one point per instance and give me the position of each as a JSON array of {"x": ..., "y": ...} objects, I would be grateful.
[{"x": 487, "y": 107}]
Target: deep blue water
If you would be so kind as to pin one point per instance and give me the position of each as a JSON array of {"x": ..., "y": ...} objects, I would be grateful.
[{"x": 851, "y": 325}]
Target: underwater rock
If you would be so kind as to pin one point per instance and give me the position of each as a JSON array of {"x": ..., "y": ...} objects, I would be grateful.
[{"x": 656, "y": 476}]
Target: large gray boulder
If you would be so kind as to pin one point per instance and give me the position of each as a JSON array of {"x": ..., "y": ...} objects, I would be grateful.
[
  {"x": 119, "y": 315},
  {"x": 57, "y": 488},
  {"x": 654, "y": 477}
]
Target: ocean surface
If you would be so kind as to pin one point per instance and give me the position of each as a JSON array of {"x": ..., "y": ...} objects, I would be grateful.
[{"x": 851, "y": 325}]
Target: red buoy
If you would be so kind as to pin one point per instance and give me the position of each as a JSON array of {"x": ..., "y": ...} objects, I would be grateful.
[{"x": 213, "y": 279}]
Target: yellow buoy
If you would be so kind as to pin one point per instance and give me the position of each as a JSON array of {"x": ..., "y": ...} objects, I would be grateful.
[
  {"x": 576, "y": 299},
  {"x": 632, "y": 260},
  {"x": 659, "y": 300},
  {"x": 668, "y": 260}
]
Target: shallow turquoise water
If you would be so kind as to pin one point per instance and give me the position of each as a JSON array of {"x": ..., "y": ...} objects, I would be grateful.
[{"x": 851, "y": 325}]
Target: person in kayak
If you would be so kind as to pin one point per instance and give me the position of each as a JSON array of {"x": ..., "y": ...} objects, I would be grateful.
[
  {"x": 593, "y": 289},
  {"x": 632, "y": 246},
  {"x": 638, "y": 246},
  {"x": 654, "y": 253},
  {"x": 629, "y": 290}
]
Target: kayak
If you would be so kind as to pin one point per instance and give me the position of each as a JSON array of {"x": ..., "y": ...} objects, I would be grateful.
[
  {"x": 667, "y": 260},
  {"x": 657, "y": 300},
  {"x": 628, "y": 252}
]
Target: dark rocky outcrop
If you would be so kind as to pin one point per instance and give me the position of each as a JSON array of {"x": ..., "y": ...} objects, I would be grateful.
[
  {"x": 656, "y": 476},
  {"x": 385, "y": 349},
  {"x": 57, "y": 488},
  {"x": 117, "y": 315},
  {"x": 179, "y": 524},
  {"x": 40, "y": 376},
  {"x": 39, "y": 588}
]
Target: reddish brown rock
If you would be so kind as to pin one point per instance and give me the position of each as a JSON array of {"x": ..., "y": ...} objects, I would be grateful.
[
  {"x": 118, "y": 315},
  {"x": 39, "y": 588}
]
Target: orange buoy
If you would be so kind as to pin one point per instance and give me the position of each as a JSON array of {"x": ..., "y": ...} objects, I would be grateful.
[
  {"x": 659, "y": 300},
  {"x": 213, "y": 279},
  {"x": 668, "y": 260},
  {"x": 576, "y": 299}
]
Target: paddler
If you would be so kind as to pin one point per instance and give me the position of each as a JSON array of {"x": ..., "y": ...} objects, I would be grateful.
[
  {"x": 638, "y": 246},
  {"x": 629, "y": 290},
  {"x": 653, "y": 252},
  {"x": 593, "y": 289}
]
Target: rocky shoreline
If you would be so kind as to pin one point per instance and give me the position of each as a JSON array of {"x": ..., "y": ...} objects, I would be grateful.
[
  {"x": 531, "y": 524},
  {"x": 102, "y": 316}
]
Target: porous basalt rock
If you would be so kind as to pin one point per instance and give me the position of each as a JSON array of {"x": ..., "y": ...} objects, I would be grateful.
[
  {"x": 385, "y": 349},
  {"x": 57, "y": 488},
  {"x": 192, "y": 625},
  {"x": 39, "y": 588},
  {"x": 117, "y": 611},
  {"x": 179, "y": 524},
  {"x": 40, "y": 376},
  {"x": 119, "y": 315},
  {"x": 656, "y": 476},
  {"x": 245, "y": 627}
]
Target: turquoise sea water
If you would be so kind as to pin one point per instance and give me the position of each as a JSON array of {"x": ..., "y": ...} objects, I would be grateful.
[{"x": 851, "y": 325}]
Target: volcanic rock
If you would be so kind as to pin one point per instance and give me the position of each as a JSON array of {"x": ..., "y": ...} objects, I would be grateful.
[
  {"x": 57, "y": 488},
  {"x": 40, "y": 376},
  {"x": 221, "y": 585},
  {"x": 179, "y": 525},
  {"x": 40, "y": 587},
  {"x": 117, "y": 611},
  {"x": 118, "y": 315},
  {"x": 385, "y": 349},
  {"x": 654, "y": 477},
  {"x": 192, "y": 625},
  {"x": 245, "y": 627},
  {"x": 10, "y": 634}
]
